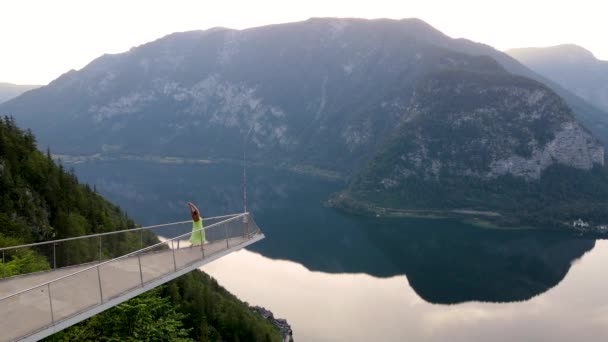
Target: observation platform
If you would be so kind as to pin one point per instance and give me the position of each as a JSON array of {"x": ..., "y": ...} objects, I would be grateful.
[{"x": 36, "y": 305}]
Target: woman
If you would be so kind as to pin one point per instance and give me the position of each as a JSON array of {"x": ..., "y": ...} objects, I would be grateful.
[{"x": 198, "y": 233}]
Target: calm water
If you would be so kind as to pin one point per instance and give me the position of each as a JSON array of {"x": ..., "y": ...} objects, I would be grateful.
[{"x": 343, "y": 278}]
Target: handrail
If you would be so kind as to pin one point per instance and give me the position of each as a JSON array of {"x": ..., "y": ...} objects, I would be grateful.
[
  {"x": 234, "y": 217},
  {"x": 109, "y": 233}
]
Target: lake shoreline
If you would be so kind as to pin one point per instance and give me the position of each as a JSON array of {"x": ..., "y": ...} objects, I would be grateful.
[
  {"x": 341, "y": 201},
  {"x": 303, "y": 169},
  {"x": 478, "y": 218}
]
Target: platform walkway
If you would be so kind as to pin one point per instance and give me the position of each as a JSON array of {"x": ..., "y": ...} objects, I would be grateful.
[{"x": 36, "y": 305}]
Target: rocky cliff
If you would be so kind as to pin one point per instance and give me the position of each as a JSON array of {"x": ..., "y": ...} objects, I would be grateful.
[{"x": 488, "y": 125}]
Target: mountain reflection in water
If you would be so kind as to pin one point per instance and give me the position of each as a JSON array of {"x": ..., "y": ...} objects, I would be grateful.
[{"x": 358, "y": 307}]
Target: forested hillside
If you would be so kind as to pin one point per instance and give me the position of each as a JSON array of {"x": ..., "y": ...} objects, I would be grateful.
[{"x": 40, "y": 201}]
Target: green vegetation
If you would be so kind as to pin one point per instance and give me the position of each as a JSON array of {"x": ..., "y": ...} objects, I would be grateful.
[
  {"x": 39, "y": 201},
  {"x": 148, "y": 317},
  {"x": 214, "y": 313},
  {"x": 562, "y": 195},
  {"x": 191, "y": 308},
  {"x": 22, "y": 260}
]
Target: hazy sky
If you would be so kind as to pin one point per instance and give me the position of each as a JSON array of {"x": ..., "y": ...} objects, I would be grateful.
[{"x": 40, "y": 40}]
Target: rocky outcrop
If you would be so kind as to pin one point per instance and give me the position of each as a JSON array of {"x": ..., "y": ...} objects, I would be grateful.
[
  {"x": 467, "y": 124},
  {"x": 572, "y": 146},
  {"x": 280, "y": 323}
]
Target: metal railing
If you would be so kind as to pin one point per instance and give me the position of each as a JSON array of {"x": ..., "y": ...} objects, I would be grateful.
[
  {"x": 46, "y": 304},
  {"x": 77, "y": 250}
]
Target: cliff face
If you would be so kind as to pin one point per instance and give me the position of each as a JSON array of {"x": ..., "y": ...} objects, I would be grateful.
[
  {"x": 485, "y": 125},
  {"x": 571, "y": 146}
]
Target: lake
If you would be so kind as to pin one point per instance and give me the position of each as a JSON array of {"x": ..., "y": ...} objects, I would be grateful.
[{"x": 337, "y": 277}]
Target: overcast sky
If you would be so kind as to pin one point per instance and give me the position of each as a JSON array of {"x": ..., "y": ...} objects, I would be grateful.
[{"x": 40, "y": 40}]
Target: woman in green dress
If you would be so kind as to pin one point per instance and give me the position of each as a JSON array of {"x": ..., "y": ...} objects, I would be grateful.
[{"x": 198, "y": 233}]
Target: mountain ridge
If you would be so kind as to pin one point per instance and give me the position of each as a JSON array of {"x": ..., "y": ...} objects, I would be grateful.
[
  {"x": 414, "y": 28},
  {"x": 9, "y": 90},
  {"x": 573, "y": 67}
]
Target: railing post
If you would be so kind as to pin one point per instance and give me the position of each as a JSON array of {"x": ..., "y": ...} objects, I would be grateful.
[
  {"x": 51, "y": 303},
  {"x": 203, "y": 248},
  {"x": 141, "y": 239},
  {"x": 174, "y": 263},
  {"x": 226, "y": 235},
  {"x": 3, "y": 266},
  {"x": 54, "y": 255},
  {"x": 246, "y": 226},
  {"x": 100, "y": 290},
  {"x": 141, "y": 275},
  {"x": 99, "y": 248}
]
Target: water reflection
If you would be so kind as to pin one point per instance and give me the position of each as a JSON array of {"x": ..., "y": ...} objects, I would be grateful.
[
  {"x": 358, "y": 307},
  {"x": 445, "y": 262}
]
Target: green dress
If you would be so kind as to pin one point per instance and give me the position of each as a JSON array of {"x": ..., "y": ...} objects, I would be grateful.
[{"x": 198, "y": 233}]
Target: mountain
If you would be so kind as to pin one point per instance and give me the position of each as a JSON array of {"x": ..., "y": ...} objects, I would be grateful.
[
  {"x": 362, "y": 98},
  {"x": 573, "y": 67},
  {"x": 324, "y": 92},
  {"x": 495, "y": 141},
  {"x": 589, "y": 115},
  {"x": 9, "y": 90}
]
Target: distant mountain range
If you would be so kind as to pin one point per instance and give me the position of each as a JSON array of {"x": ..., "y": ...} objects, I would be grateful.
[
  {"x": 401, "y": 108},
  {"x": 9, "y": 90},
  {"x": 573, "y": 67}
]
